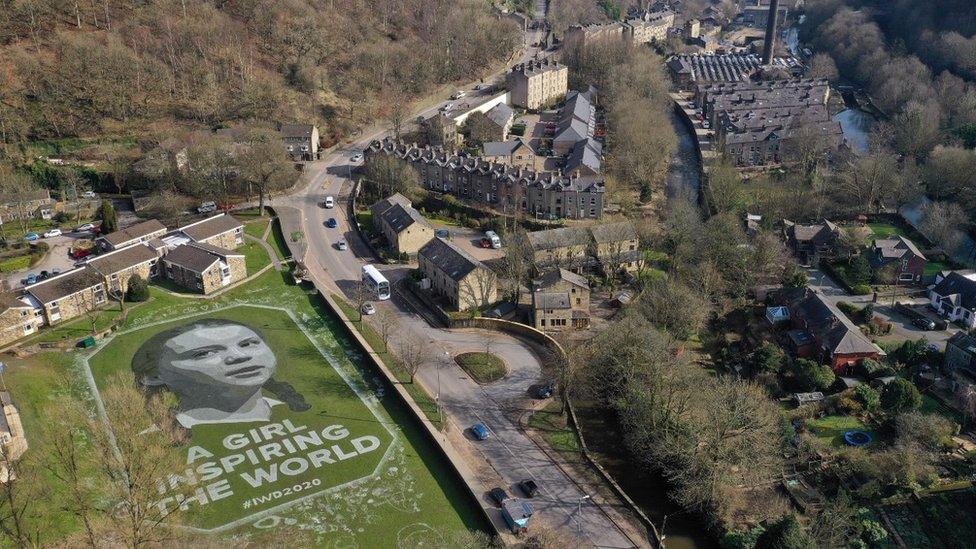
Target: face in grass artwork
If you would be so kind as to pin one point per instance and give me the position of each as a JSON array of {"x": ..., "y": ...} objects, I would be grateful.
[{"x": 270, "y": 419}]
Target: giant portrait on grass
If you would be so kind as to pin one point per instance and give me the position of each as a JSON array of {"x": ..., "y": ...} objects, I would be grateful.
[{"x": 270, "y": 418}]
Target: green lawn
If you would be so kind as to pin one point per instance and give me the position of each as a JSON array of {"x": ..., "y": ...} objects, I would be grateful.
[
  {"x": 554, "y": 427},
  {"x": 414, "y": 486},
  {"x": 935, "y": 267},
  {"x": 885, "y": 230},
  {"x": 15, "y": 263},
  {"x": 277, "y": 241},
  {"x": 255, "y": 256},
  {"x": 81, "y": 327},
  {"x": 256, "y": 228},
  {"x": 832, "y": 428},
  {"x": 483, "y": 367}
]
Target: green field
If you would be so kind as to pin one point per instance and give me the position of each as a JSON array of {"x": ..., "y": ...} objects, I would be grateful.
[
  {"x": 832, "y": 428},
  {"x": 886, "y": 230},
  {"x": 379, "y": 498}
]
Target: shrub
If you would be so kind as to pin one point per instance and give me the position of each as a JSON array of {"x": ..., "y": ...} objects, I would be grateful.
[
  {"x": 812, "y": 376},
  {"x": 138, "y": 289},
  {"x": 900, "y": 396},
  {"x": 867, "y": 396},
  {"x": 785, "y": 533},
  {"x": 861, "y": 289}
]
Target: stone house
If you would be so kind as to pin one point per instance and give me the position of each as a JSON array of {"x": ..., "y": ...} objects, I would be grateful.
[
  {"x": 586, "y": 159},
  {"x": 406, "y": 231},
  {"x": 899, "y": 251},
  {"x": 440, "y": 130},
  {"x": 203, "y": 268},
  {"x": 617, "y": 246},
  {"x": 136, "y": 234},
  {"x": 221, "y": 230},
  {"x": 582, "y": 35},
  {"x": 501, "y": 117},
  {"x": 535, "y": 84},
  {"x": 577, "y": 122},
  {"x": 608, "y": 248},
  {"x": 453, "y": 273},
  {"x": 823, "y": 333},
  {"x": 381, "y": 206},
  {"x": 118, "y": 266},
  {"x": 18, "y": 317},
  {"x": 515, "y": 152},
  {"x": 960, "y": 355},
  {"x": 954, "y": 297},
  {"x": 31, "y": 205},
  {"x": 560, "y": 300},
  {"x": 13, "y": 439},
  {"x": 811, "y": 243},
  {"x": 649, "y": 26},
  {"x": 301, "y": 141},
  {"x": 69, "y": 295}
]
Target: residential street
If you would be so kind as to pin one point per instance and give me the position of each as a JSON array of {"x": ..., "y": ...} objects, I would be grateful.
[{"x": 510, "y": 452}]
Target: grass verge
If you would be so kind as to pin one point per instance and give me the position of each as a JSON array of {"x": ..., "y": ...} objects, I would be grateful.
[{"x": 483, "y": 367}]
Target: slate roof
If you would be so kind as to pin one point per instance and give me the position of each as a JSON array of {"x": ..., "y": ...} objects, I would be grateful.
[
  {"x": 504, "y": 148},
  {"x": 297, "y": 130},
  {"x": 613, "y": 232},
  {"x": 450, "y": 259},
  {"x": 559, "y": 238},
  {"x": 963, "y": 341},
  {"x": 399, "y": 218},
  {"x": 211, "y": 227},
  {"x": 192, "y": 257},
  {"x": 500, "y": 114},
  {"x": 389, "y": 202},
  {"x": 577, "y": 119},
  {"x": 135, "y": 232},
  {"x": 831, "y": 326},
  {"x": 958, "y": 290},
  {"x": 553, "y": 277},
  {"x": 9, "y": 300},
  {"x": 587, "y": 153},
  {"x": 889, "y": 249},
  {"x": 122, "y": 259},
  {"x": 550, "y": 300},
  {"x": 65, "y": 284}
]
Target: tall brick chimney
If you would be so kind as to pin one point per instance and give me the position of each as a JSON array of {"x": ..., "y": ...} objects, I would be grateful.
[{"x": 770, "y": 42}]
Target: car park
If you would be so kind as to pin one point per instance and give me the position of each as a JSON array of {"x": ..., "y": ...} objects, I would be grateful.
[
  {"x": 342, "y": 246},
  {"x": 480, "y": 431},
  {"x": 369, "y": 308},
  {"x": 529, "y": 488},
  {"x": 498, "y": 495},
  {"x": 329, "y": 202},
  {"x": 31, "y": 237},
  {"x": 358, "y": 157},
  {"x": 331, "y": 223},
  {"x": 52, "y": 233}
]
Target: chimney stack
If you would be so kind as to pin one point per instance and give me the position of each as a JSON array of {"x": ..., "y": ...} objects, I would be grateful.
[{"x": 770, "y": 42}]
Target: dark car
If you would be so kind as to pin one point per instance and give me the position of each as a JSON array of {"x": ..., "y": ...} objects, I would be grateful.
[
  {"x": 529, "y": 488},
  {"x": 498, "y": 495},
  {"x": 480, "y": 431},
  {"x": 331, "y": 223},
  {"x": 544, "y": 391},
  {"x": 924, "y": 323},
  {"x": 442, "y": 233},
  {"x": 44, "y": 275}
]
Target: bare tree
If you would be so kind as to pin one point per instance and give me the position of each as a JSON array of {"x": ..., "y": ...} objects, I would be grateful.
[
  {"x": 387, "y": 322},
  {"x": 18, "y": 191},
  {"x": 413, "y": 353},
  {"x": 941, "y": 222},
  {"x": 21, "y": 495},
  {"x": 265, "y": 166}
]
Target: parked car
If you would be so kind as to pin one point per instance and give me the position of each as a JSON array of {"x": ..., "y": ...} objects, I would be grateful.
[
  {"x": 31, "y": 279},
  {"x": 480, "y": 87},
  {"x": 442, "y": 233},
  {"x": 924, "y": 323},
  {"x": 342, "y": 246},
  {"x": 31, "y": 237},
  {"x": 225, "y": 206},
  {"x": 79, "y": 253},
  {"x": 87, "y": 227},
  {"x": 89, "y": 194},
  {"x": 458, "y": 94},
  {"x": 493, "y": 240},
  {"x": 544, "y": 390},
  {"x": 529, "y": 488},
  {"x": 498, "y": 495},
  {"x": 357, "y": 158},
  {"x": 55, "y": 272},
  {"x": 331, "y": 223},
  {"x": 329, "y": 202},
  {"x": 52, "y": 233},
  {"x": 369, "y": 308},
  {"x": 44, "y": 275},
  {"x": 480, "y": 431},
  {"x": 207, "y": 207},
  {"x": 447, "y": 107}
]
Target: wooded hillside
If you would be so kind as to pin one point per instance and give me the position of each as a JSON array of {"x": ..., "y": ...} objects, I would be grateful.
[{"x": 139, "y": 68}]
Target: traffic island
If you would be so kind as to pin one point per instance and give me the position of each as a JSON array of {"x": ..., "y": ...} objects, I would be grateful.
[{"x": 482, "y": 367}]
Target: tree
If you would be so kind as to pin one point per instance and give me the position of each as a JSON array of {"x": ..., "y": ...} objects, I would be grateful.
[
  {"x": 138, "y": 289},
  {"x": 941, "y": 222},
  {"x": 822, "y": 66},
  {"x": 19, "y": 188},
  {"x": 794, "y": 277},
  {"x": 674, "y": 307},
  {"x": 387, "y": 322},
  {"x": 516, "y": 265},
  {"x": 768, "y": 358},
  {"x": 106, "y": 214},
  {"x": 859, "y": 271},
  {"x": 852, "y": 240},
  {"x": 900, "y": 396},
  {"x": 785, "y": 533},
  {"x": 264, "y": 165},
  {"x": 930, "y": 431},
  {"x": 479, "y": 129},
  {"x": 386, "y": 175},
  {"x": 812, "y": 376},
  {"x": 867, "y": 396},
  {"x": 414, "y": 353},
  {"x": 21, "y": 496}
]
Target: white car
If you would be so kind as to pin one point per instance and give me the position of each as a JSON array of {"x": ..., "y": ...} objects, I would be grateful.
[
  {"x": 458, "y": 94},
  {"x": 87, "y": 227},
  {"x": 207, "y": 207},
  {"x": 329, "y": 202},
  {"x": 368, "y": 308},
  {"x": 447, "y": 107},
  {"x": 89, "y": 194},
  {"x": 52, "y": 233},
  {"x": 356, "y": 158},
  {"x": 342, "y": 246}
]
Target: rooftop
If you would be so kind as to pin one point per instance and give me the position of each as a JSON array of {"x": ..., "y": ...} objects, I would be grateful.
[
  {"x": 550, "y": 300},
  {"x": 450, "y": 259},
  {"x": 64, "y": 285},
  {"x": 532, "y": 68},
  {"x": 196, "y": 256},
  {"x": 297, "y": 130},
  {"x": 135, "y": 232},
  {"x": 211, "y": 227},
  {"x": 400, "y": 217},
  {"x": 553, "y": 277},
  {"x": 122, "y": 259}
]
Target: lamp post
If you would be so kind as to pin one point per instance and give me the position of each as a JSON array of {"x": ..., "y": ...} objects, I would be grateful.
[{"x": 579, "y": 518}]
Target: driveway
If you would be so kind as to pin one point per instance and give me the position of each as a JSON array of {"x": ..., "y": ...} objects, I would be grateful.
[{"x": 55, "y": 258}]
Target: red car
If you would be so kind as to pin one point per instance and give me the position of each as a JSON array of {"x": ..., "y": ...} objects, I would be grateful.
[
  {"x": 485, "y": 243},
  {"x": 225, "y": 206},
  {"x": 79, "y": 253}
]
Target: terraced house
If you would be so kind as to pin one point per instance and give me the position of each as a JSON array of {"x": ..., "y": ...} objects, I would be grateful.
[
  {"x": 119, "y": 266},
  {"x": 136, "y": 234},
  {"x": 605, "y": 248},
  {"x": 221, "y": 230},
  {"x": 405, "y": 229},
  {"x": 505, "y": 188},
  {"x": 20, "y": 316},
  {"x": 69, "y": 295}
]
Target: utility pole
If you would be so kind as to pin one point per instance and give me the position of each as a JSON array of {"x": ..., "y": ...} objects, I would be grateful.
[{"x": 579, "y": 518}]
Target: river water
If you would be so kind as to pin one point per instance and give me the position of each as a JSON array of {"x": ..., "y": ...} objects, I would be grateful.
[
  {"x": 684, "y": 171},
  {"x": 857, "y": 126}
]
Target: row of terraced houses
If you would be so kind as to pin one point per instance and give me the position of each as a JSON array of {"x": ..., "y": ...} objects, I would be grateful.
[{"x": 198, "y": 257}]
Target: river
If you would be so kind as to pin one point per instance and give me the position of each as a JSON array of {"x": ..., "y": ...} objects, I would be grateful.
[
  {"x": 857, "y": 126},
  {"x": 684, "y": 170}
]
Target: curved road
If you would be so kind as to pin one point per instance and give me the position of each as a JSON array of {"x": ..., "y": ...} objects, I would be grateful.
[{"x": 512, "y": 454}]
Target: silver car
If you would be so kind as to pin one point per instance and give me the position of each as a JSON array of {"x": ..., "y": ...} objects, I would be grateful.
[
  {"x": 368, "y": 308},
  {"x": 342, "y": 246}
]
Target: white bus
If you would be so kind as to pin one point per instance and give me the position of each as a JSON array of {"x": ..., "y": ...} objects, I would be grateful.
[{"x": 375, "y": 281}]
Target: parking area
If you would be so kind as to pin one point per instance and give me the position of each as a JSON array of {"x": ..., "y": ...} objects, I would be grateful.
[
  {"x": 469, "y": 240},
  {"x": 56, "y": 258}
]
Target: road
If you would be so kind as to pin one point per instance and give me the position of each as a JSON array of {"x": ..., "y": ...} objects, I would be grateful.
[
  {"x": 901, "y": 326},
  {"x": 512, "y": 454}
]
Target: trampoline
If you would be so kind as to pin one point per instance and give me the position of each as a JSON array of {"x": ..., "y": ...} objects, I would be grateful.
[{"x": 857, "y": 438}]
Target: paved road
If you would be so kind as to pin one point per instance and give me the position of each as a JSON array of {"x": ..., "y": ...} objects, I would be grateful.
[
  {"x": 55, "y": 258},
  {"x": 510, "y": 452}
]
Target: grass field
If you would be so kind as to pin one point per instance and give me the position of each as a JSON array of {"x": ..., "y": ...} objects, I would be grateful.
[
  {"x": 256, "y": 228},
  {"x": 832, "y": 428},
  {"x": 413, "y": 497},
  {"x": 483, "y": 367}
]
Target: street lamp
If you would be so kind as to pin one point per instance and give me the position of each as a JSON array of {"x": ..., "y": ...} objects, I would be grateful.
[{"x": 579, "y": 518}]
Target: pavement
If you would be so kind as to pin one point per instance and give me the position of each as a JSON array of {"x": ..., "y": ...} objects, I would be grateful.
[{"x": 514, "y": 456}]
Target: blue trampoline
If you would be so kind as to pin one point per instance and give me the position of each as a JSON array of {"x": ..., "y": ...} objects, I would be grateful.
[{"x": 858, "y": 438}]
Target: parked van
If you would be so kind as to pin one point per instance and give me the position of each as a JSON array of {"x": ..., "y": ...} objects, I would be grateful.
[
  {"x": 493, "y": 239},
  {"x": 329, "y": 202}
]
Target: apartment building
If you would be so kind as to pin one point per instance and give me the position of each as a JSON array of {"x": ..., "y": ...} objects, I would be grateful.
[
  {"x": 119, "y": 266},
  {"x": 406, "y": 231},
  {"x": 203, "y": 267},
  {"x": 607, "y": 248},
  {"x": 136, "y": 234},
  {"x": 503, "y": 187},
  {"x": 536, "y": 84},
  {"x": 221, "y": 230},
  {"x": 561, "y": 300},
  {"x": 301, "y": 141},
  {"x": 69, "y": 295},
  {"x": 649, "y": 26},
  {"x": 464, "y": 281}
]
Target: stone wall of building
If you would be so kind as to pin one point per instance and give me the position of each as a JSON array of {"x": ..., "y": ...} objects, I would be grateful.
[
  {"x": 76, "y": 305},
  {"x": 230, "y": 240}
]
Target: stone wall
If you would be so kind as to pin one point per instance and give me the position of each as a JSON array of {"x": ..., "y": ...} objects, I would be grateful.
[
  {"x": 77, "y": 304},
  {"x": 13, "y": 321},
  {"x": 230, "y": 240}
]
